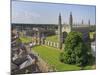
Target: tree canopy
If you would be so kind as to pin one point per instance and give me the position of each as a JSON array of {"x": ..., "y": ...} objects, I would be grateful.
[{"x": 75, "y": 51}]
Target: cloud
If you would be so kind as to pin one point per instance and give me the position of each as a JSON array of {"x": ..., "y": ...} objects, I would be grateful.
[
  {"x": 28, "y": 14},
  {"x": 24, "y": 16}
]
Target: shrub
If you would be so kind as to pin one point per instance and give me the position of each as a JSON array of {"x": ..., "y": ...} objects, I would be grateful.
[{"x": 75, "y": 51}]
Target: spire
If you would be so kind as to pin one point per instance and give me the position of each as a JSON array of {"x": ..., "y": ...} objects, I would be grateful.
[
  {"x": 89, "y": 22},
  {"x": 82, "y": 22},
  {"x": 60, "y": 31},
  {"x": 71, "y": 21},
  {"x": 59, "y": 18},
  {"x": 59, "y": 14}
]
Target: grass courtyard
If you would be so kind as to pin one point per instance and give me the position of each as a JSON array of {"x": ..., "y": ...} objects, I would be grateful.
[
  {"x": 53, "y": 38},
  {"x": 92, "y": 35},
  {"x": 26, "y": 39},
  {"x": 51, "y": 56}
]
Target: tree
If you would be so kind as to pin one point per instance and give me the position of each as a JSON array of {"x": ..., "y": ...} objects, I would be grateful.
[{"x": 75, "y": 51}]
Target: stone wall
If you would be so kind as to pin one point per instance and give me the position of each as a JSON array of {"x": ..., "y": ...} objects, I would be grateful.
[
  {"x": 51, "y": 44},
  {"x": 42, "y": 65}
]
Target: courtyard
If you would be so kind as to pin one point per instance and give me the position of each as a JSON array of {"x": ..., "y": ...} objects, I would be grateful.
[
  {"x": 51, "y": 56},
  {"x": 53, "y": 38}
]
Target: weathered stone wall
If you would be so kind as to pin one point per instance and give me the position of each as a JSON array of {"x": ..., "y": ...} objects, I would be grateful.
[
  {"x": 42, "y": 65},
  {"x": 51, "y": 44}
]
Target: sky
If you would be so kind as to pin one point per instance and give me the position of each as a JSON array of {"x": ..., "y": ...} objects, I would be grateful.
[{"x": 47, "y": 13}]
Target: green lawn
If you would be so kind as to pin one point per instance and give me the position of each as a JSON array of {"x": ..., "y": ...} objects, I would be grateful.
[
  {"x": 91, "y": 35},
  {"x": 26, "y": 39},
  {"x": 53, "y": 38},
  {"x": 51, "y": 56}
]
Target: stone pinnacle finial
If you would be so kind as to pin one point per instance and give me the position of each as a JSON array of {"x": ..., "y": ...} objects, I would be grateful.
[
  {"x": 59, "y": 14},
  {"x": 89, "y": 21},
  {"x": 82, "y": 22},
  {"x": 70, "y": 13},
  {"x": 70, "y": 21},
  {"x": 60, "y": 18}
]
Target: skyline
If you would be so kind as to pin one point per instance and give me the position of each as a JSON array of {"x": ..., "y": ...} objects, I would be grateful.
[{"x": 47, "y": 13}]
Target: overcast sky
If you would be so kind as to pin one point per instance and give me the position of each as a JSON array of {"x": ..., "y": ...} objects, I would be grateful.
[{"x": 47, "y": 13}]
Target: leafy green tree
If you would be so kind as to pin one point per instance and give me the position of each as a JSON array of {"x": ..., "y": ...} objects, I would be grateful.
[{"x": 76, "y": 51}]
